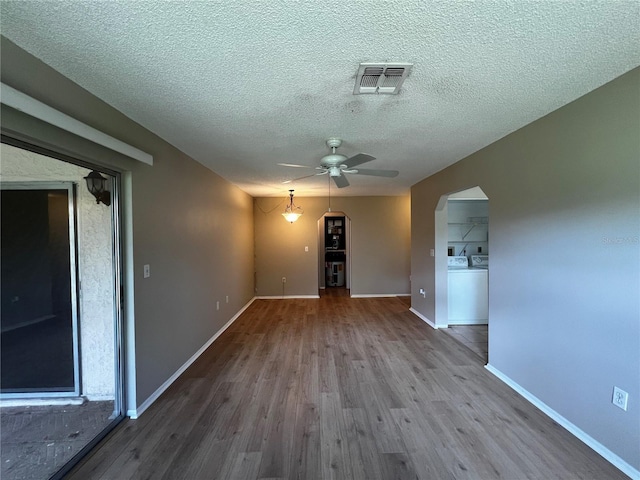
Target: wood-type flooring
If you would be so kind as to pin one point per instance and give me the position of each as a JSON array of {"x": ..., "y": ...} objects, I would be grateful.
[{"x": 340, "y": 388}]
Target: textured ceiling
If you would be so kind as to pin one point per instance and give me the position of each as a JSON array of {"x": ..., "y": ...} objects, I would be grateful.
[{"x": 241, "y": 86}]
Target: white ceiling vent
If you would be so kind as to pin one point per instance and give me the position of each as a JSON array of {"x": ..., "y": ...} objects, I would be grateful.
[{"x": 381, "y": 77}]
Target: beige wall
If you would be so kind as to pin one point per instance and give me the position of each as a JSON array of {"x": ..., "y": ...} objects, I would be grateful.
[
  {"x": 564, "y": 201},
  {"x": 191, "y": 226},
  {"x": 380, "y": 245}
]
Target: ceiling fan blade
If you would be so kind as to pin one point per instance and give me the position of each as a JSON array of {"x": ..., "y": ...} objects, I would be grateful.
[
  {"x": 300, "y": 178},
  {"x": 293, "y": 165},
  {"x": 376, "y": 173},
  {"x": 341, "y": 181},
  {"x": 358, "y": 159},
  {"x": 323, "y": 172}
]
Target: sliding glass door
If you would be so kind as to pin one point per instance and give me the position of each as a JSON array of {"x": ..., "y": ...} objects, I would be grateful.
[
  {"x": 39, "y": 323},
  {"x": 61, "y": 360}
]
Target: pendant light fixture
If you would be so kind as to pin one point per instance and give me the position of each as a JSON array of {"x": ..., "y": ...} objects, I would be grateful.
[{"x": 292, "y": 212}]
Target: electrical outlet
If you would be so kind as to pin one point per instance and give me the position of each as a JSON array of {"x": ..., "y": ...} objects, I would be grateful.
[
  {"x": 284, "y": 279},
  {"x": 306, "y": 248},
  {"x": 423, "y": 293},
  {"x": 620, "y": 398},
  {"x": 217, "y": 305},
  {"x": 146, "y": 271}
]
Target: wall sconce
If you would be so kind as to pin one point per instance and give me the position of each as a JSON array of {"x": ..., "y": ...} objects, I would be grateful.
[
  {"x": 97, "y": 184},
  {"x": 292, "y": 212}
]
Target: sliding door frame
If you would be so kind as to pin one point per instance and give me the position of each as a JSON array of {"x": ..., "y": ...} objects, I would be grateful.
[{"x": 20, "y": 141}]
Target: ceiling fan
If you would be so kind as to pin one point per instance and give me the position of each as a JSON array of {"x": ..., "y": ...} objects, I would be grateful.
[{"x": 336, "y": 165}]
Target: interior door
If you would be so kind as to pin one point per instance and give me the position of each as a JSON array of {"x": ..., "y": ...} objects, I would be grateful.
[{"x": 39, "y": 338}]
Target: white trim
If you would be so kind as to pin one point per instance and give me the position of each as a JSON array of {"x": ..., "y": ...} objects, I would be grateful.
[
  {"x": 128, "y": 278},
  {"x": 24, "y": 103},
  {"x": 41, "y": 402},
  {"x": 100, "y": 398},
  {"x": 379, "y": 295},
  {"x": 134, "y": 414},
  {"x": 423, "y": 318},
  {"x": 283, "y": 297},
  {"x": 607, "y": 454}
]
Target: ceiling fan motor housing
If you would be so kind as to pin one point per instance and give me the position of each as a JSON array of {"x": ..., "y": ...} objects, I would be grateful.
[{"x": 333, "y": 160}]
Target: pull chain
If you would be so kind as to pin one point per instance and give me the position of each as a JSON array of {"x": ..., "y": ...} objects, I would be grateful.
[{"x": 329, "y": 178}]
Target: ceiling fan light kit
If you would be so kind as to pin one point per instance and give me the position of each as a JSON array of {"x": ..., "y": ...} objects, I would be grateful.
[{"x": 336, "y": 165}]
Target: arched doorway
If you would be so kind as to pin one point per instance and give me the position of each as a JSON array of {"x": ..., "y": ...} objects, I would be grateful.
[
  {"x": 462, "y": 267},
  {"x": 334, "y": 251}
]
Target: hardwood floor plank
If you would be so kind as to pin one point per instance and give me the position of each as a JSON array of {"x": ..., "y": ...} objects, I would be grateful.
[
  {"x": 427, "y": 461},
  {"x": 348, "y": 387},
  {"x": 259, "y": 415},
  {"x": 364, "y": 455},
  {"x": 198, "y": 426},
  {"x": 386, "y": 386},
  {"x": 305, "y": 460},
  {"x": 246, "y": 465},
  {"x": 340, "y": 388},
  {"x": 381, "y": 423},
  {"x": 334, "y": 453},
  {"x": 397, "y": 466},
  {"x": 280, "y": 417}
]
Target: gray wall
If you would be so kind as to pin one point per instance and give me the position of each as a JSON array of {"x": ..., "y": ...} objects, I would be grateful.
[
  {"x": 194, "y": 228},
  {"x": 380, "y": 245},
  {"x": 564, "y": 317}
]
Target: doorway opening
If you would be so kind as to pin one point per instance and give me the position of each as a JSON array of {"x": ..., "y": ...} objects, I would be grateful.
[
  {"x": 334, "y": 259},
  {"x": 462, "y": 267},
  {"x": 61, "y": 328}
]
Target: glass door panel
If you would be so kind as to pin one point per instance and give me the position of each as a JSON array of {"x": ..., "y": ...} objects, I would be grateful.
[{"x": 38, "y": 335}]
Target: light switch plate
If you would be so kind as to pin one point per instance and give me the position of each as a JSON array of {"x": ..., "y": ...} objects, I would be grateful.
[{"x": 146, "y": 271}]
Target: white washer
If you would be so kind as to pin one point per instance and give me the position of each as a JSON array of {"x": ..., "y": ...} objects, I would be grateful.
[
  {"x": 480, "y": 261},
  {"x": 468, "y": 292}
]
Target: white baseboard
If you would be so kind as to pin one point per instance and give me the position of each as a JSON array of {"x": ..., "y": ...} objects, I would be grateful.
[
  {"x": 134, "y": 414},
  {"x": 603, "y": 451},
  {"x": 379, "y": 295},
  {"x": 284, "y": 297},
  {"x": 469, "y": 322},
  {"x": 423, "y": 318}
]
